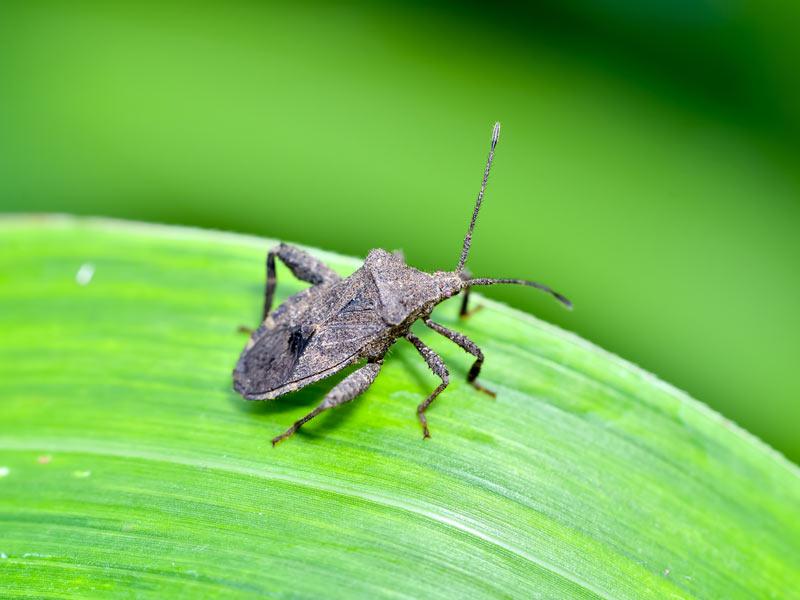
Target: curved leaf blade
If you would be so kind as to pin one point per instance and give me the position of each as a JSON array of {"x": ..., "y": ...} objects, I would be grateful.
[{"x": 132, "y": 468}]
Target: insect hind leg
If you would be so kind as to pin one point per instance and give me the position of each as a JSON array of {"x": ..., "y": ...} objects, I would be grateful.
[
  {"x": 302, "y": 265},
  {"x": 349, "y": 388}
]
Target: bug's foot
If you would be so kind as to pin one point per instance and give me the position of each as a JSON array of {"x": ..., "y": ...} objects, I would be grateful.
[
  {"x": 470, "y": 312},
  {"x": 300, "y": 422},
  {"x": 243, "y": 329},
  {"x": 483, "y": 389},
  {"x": 424, "y": 422},
  {"x": 288, "y": 433}
]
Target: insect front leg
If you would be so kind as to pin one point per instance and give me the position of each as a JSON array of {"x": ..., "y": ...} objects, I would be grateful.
[
  {"x": 302, "y": 265},
  {"x": 436, "y": 365},
  {"x": 468, "y": 345},
  {"x": 464, "y": 311},
  {"x": 351, "y": 386}
]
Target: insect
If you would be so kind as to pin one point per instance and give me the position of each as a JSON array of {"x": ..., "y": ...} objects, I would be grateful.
[{"x": 341, "y": 321}]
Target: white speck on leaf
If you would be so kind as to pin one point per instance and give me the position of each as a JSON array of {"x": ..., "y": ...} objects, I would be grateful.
[
  {"x": 85, "y": 274},
  {"x": 81, "y": 474},
  {"x": 4, "y": 471}
]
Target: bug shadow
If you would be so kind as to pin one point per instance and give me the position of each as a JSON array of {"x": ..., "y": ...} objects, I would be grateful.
[
  {"x": 408, "y": 357},
  {"x": 328, "y": 421},
  {"x": 422, "y": 382},
  {"x": 410, "y": 361},
  {"x": 308, "y": 397},
  {"x": 455, "y": 364}
]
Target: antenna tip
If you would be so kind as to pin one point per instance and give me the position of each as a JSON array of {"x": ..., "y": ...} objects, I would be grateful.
[
  {"x": 564, "y": 300},
  {"x": 495, "y": 133}
]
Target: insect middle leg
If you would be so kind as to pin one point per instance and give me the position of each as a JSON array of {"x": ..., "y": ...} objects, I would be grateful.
[
  {"x": 302, "y": 265},
  {"x": 351, "y": 386},
  {"x": 469, "y": 346},
  {"x": 436, "y": 365}
]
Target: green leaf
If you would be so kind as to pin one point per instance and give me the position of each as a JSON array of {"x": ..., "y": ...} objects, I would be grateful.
[{"x": 129, "y": 467}]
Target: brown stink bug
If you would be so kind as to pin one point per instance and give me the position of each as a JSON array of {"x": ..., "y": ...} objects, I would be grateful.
[{"x": 340, "y": 321}]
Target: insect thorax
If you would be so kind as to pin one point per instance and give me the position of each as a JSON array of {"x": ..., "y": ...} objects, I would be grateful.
[{"x": 404, "y": 293}]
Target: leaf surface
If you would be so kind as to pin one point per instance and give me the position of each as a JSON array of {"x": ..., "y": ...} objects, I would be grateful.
[{"x": 129, "y": 467}]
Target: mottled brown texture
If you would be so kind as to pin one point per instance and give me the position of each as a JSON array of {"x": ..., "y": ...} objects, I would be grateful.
[{"x": 337, "y": 322}]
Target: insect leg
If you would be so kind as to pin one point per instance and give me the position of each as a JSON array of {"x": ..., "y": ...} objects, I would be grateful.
[
  {"x": 468, "y": 345},
  {"x": 436, "y": 365},
  {"x": 302, "y": 265},
  {"x": 347, "y": 389},
  {"x": 465, "y": 312}
]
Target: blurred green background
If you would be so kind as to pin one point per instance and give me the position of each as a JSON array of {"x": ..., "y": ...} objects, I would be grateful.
[{"x": 648, "y": 165}]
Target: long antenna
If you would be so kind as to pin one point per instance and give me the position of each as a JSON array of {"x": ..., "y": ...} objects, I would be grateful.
[
  {"x": 468, "y": 238},
  {"x": 539, "y": 286}
]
